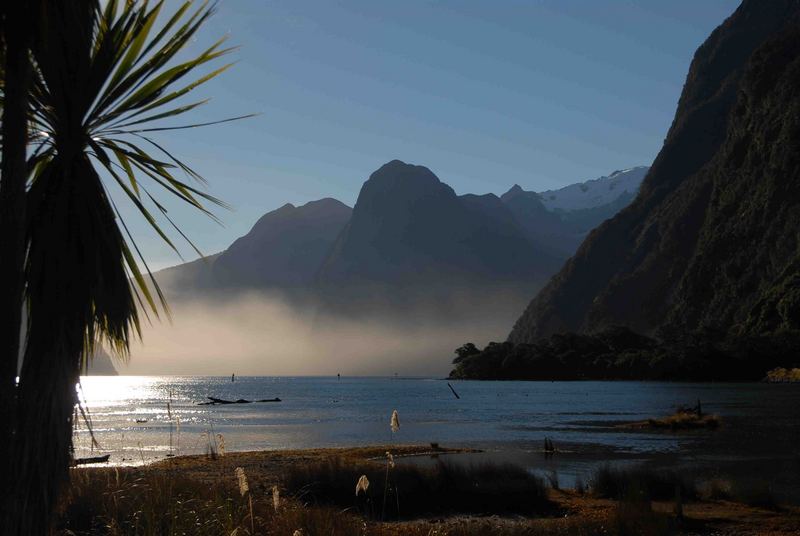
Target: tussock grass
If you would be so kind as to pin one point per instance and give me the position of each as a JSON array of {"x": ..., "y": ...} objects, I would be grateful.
[
  {"x": 415, "y": 491},
  {"x": 641, "y": 482}
]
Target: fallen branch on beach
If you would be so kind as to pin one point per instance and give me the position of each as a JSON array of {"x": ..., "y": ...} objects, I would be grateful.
[{"x": 213, "y": 401}]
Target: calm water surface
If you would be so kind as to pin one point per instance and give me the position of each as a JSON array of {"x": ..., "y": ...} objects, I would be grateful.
[{"x": 509, "y": 420}]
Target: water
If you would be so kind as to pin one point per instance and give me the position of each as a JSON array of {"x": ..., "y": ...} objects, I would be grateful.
[{"x": 509, "y": 420}]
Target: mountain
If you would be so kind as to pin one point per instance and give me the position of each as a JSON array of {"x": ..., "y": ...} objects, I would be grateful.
[
  {"x": 101, "y": 364},
  {"x": 542, "y": 226},
  {"x": 710, "y": 242},
  {"x": 559, "y": 220},
  {"x": 409, "y": 228},
  {"x": 597, "y": 192},
  {"x": 284, "y": 249}
]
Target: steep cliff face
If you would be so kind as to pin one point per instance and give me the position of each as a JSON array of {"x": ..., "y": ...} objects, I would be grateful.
[{"x": 711, "y": 240}]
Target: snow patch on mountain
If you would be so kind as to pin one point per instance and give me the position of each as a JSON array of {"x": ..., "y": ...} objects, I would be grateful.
[{"x": 596, "y": 192}]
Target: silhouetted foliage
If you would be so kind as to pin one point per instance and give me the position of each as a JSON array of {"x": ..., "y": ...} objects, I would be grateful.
[{"x": 619, "y": 353}]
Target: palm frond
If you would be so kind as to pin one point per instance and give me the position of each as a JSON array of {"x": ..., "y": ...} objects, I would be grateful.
[{"x": 125, "y": 84}]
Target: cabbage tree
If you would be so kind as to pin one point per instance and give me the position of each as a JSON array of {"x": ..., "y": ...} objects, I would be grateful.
[{"x": 105, "y": 77}]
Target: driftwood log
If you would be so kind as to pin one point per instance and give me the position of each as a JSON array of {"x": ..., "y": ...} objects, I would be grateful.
[
  {"x": 213, "y": 401},
  {"x": 95, "y": 459}
]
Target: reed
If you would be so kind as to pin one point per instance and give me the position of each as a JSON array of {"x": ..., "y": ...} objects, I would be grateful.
[
  {"x": 244, "y": 490},
  {"x": 276, "y": 498}
]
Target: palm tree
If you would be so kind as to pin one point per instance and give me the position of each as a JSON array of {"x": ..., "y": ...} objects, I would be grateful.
[{"x": 103, "y": 78}]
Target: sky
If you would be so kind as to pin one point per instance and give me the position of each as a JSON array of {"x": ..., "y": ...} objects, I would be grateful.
[{"x": 541, "y": 93}]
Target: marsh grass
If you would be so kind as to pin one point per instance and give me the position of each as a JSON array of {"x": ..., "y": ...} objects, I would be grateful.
[
  {"x": 580, "y": 486},
  {"x": 717, "y": 489},
  {"x": 552, "y": 480},
  {"x": 442, "y": 489},
  {"x": 119, "y": 502},
  {"x": 756, "y": 493},
  {"x": 649, "y": 484},
  {"x": 212, "y": 448},
  {"x": 154, "y": 503},
  {"x": 634, "y": 516},
  {"x": 752, "y": 492}
]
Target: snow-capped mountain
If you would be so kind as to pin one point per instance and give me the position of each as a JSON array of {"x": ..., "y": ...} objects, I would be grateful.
[{"x": 596, "y": 192}]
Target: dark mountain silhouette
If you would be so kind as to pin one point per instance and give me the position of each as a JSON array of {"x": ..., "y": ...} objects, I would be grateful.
[
  {"x": 711, "y": 240},
  {"x": 408, "y": 227},
  {"x": 543, "y": 227},
  {"x": 410, "y": 250},
  {"x": 284, "y": 249},
  {"x": 101, "y": 364}
]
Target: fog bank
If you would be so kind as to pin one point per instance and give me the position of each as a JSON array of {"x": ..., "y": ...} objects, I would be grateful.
[{"x": 257, "y": 334}]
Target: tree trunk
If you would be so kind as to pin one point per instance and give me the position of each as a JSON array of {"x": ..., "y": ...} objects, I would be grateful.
[
  {"x": 17, "y": 35},
  {"x": 45, "y": 409}
]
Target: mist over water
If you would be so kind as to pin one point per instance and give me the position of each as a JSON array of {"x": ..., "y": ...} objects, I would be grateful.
[{"x": 268, "y": 334}]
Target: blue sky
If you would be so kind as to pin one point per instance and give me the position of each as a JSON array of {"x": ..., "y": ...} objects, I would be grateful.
[{"x": 486, "y": 94}]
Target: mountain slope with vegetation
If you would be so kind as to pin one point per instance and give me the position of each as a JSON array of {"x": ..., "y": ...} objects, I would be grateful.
[
  {"x": 711, "y": 239},
  {"x": 707, "y": 258}
]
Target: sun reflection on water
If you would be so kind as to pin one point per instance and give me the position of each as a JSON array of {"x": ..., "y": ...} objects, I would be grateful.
[{"x": 97, "y": 391}]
